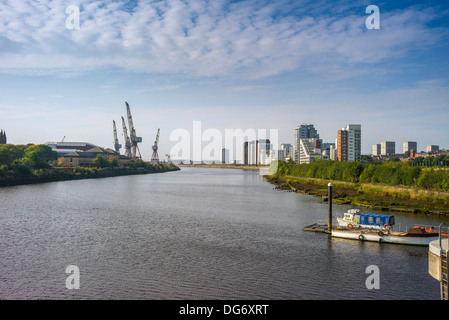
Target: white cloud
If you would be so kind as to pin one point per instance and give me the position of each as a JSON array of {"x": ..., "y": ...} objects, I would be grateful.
[{"x": 198, "y": 37}]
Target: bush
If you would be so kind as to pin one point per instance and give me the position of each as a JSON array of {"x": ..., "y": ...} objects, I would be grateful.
[
  {"x": 22, "y": 170},
  {"x": 429, "y": 179},
  {"x": 391, "y": 173}
]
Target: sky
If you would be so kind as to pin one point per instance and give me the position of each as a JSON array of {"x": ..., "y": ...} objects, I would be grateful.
[{"x": 250, "y": 65}]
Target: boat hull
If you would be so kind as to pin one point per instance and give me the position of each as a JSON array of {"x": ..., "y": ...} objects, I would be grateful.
[{"x": 395, "y": 237}]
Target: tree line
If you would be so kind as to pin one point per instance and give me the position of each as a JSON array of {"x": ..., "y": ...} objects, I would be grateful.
[
  {"x": 390, "y": 173},
  {"x": 33, "y": 163},
  {"x": 23, "y": 159}
]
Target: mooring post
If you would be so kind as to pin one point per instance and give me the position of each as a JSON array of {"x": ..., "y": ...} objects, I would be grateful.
[{"x": 329, "y": 211}]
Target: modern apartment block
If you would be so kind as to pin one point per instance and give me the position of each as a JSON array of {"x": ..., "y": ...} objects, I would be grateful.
[
  {"x": 408, "y": 146},
  {"x": 342, "y": 145},
  {"x": 310, "y": 149},
  {"x": 245, "y": 153},
  {"x": 259, "y": 152},
  {"x": 432, "y": 148},
  {"x": 287, "y": 151},
  {"x": 349, "y": 143},
  {"x": 224, "y": 156},
  {"x": 303, "y": 131},
  {"x": 376, "y": 149},
  {"x": 387, "y": 148}
]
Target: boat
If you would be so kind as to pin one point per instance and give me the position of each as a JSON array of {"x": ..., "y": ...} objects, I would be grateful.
[
  {"x": 354, "y": 219},
  {"x": 379, "y": 228}
]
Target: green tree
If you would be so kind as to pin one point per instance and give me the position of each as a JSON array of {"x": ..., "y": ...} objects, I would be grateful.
[
  {"x": 429, "y": 179},
  {"x": 114, "y": 162},
  {"x": 101, "y": 162},
  {"x": 38, "y": 156},
  {"x": 10, "y": 152}
]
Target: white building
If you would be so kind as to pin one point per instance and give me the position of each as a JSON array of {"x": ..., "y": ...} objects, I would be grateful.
[
  {"x": 303, "y": 131},
  {"x": 408, "y": 146},
  {"x": 387, "y": 148},
  {"x": 259, "y": 152},
  {"x": 376, "y": 149},
  {"x": 354, "y": 142},
  {"x": 287, "y": 151},
  {"x": 310, "y": 149}
]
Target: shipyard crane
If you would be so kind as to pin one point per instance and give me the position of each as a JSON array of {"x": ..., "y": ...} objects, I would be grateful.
[
  {"x": 155, "y": 156},
  {"x": 132, "y": 132},
  {"x": 117, "y": 145},
  {"x": 168, "y": 158},
  {"x": 127, "y": 141}
]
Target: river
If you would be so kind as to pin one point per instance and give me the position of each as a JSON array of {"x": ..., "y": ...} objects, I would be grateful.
[{"x": 192, "y": 234}]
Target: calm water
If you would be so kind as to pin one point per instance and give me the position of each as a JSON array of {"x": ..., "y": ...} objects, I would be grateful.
[{"x": 191, "y": 234}]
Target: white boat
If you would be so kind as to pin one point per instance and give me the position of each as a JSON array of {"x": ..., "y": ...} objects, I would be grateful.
[
  {"x": 378, "y": 228},
  {"x": 354, "y": 219}
]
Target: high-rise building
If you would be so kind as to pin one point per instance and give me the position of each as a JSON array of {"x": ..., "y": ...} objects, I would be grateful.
[
  {"x": 245, "y": 153},
  {"x": 286, "y": 149},
  {"x": 264, "y": 151},
  {"x": 310, "y": 149},
  {"x": 387, "y": 148},
  {"x": 259, "y": 152},
  {"x": 3, "y": 139},
  {"x": 333, "y": 152},
  {"x": 303, "y": 131},
  {"x": 376, "y": 149},
  {"x": 224, "y": 156},
  {"x": 342, "y": 145},
  {"x": 349, "y": 143},
  {"x": 408, "y": 146},
  {"x": 432, "y": 148}
]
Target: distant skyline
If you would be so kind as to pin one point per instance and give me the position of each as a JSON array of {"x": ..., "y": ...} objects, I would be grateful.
[{"x": 229, "y": 64}]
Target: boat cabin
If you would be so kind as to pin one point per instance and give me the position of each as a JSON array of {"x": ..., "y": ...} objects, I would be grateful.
[
  {"x": 374, "y": 219},
  {"x": 353, "y": 218}
]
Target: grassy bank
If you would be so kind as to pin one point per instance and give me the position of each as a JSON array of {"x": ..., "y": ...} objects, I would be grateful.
[
  {"x": 373, "y": 195},
  {"x": 63, "y": 174}
]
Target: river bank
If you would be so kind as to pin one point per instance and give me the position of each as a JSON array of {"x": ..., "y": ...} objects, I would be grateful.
[
  {"x": 224, "y": 166},
  {"x": 77, "y": 173},
  {"x": 374, "y": 196}
]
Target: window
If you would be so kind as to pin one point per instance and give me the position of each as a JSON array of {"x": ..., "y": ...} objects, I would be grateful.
[{"x": 370, "y": 220}]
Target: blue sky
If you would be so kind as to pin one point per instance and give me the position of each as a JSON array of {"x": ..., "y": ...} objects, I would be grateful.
[{"x": 229, "y": 64}]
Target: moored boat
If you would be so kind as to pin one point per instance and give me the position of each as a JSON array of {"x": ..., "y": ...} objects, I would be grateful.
[
  {"x": 378, "y": 228},
  {"x": 355, "y": 219}
]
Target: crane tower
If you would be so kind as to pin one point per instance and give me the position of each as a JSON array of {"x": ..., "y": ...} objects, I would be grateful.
[
  {"x": 127, "y": 141},
  {"x": 168, "y": 158},
  {"x": 132, "y": 132},
  {"x": 117, "y": 145},
  {"x": 155, "y": 156}
]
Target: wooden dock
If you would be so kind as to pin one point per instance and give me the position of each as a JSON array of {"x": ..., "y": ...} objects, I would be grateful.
[{"x": 316, "y": 228}]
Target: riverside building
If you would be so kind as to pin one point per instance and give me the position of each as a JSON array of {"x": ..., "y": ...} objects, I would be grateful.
[
  {"x": 349, "y": 143},
  {"x": 303, "y": 131}
]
